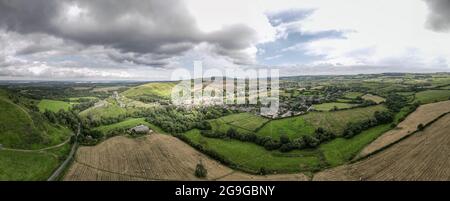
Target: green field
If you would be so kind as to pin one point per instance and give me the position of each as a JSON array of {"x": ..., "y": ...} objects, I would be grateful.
[
  {"x": 53, "y": 105},
  {"x": 127, "y": 124},
  {"x": 341, "y": 150},
  {"x": 109, "y": 111},
  {"x": 23, "y": 166},
  {"x": 353, "y": 95},
  {"x": 331, "y": 106},
  {"x": 431, "y": 96},
  {"x": 374, "y": 98},
  {"x": 252, "y": 157},
  {"x": 295, "y": 127},
  {"x": 23, "y": 129},
  {"x": 161, "y": 89},
  {"x": 244, "y": 121}
]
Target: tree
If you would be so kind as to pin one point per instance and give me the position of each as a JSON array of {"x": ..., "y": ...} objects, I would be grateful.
[
  {"x": 395, "y": 102},
  {"x": 200, "y": 170}
]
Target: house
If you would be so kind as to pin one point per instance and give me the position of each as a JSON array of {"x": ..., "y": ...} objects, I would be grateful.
[{"x": 141, "y": 129}]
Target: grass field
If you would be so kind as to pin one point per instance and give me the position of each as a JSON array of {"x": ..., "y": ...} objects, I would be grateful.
[
  {"x": 109, "y": 111},
  {"x": 161, "y": 89},
  {"x": 353, "y": 95},
  {"x": 252, "y": 157},
  {"x": 331, "y": 106},
  {"x": 23, "y": 166},
  {"x": 127, "y": 124},
  {"x": 22, "y": 129},
  {"x": 295, "y": 127},
  {"x": 374, "y": 98},
  {"x": 341, "y": 150},
  {"x": 244, "y": 121},
  {"x": 431, "y": 96},
  {"x": 53, "y": 105}
]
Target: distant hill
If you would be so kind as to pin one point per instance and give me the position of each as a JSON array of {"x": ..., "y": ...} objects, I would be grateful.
[
  {"x": 158, "y": 89},
  {"x": 23, "y": 128}
]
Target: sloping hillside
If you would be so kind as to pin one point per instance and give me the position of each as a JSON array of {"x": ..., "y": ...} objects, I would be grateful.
[
  {"x": 25, "y": 129},
  {"x": 422, "y": 156},
  {"x": 160, "y": 89}
]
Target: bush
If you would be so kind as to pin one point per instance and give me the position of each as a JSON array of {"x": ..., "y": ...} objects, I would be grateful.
[
  {"x": 200, "y": 170},
  {"x": 272, "y": 145},
  {"x": 262, "y": 171},
  {"x": 287, "y": 147},
  {"x": 420, "y": 127},
  {"x": 284, "y": 139},
  {"x": 310, "y": 141}
]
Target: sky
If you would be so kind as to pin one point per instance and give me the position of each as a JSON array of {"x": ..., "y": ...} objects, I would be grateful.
[{"x": 148, "y": 40}]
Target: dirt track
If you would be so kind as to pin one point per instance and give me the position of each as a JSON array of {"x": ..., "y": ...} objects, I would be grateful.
[
  {"x": 154, "y": 157},
  {"x": 423, "y": 115},
  {"x": 422, "y": 156}
]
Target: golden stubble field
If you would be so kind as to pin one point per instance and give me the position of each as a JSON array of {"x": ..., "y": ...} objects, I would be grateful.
[
  {"x": 423, "y": 115},
  {"x": 153, "y": 157},
  {"x": 424, "y": 155}
]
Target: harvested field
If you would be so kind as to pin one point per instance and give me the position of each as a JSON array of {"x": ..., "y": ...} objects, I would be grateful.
[
  {"x": 422, "y": 156},
  {"x": 239, "y": 176},
  {"x": 374, "y": 98},
  {"x": 154, "y": 157},
  {"x": 423, "y": 115}
]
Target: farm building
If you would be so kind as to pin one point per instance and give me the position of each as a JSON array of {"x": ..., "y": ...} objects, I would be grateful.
[{"x": 141, "y": 129}]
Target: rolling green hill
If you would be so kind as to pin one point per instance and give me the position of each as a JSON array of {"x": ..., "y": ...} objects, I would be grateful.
[
  {"x": 160, "y": 89},
  {"x": 25, "y": 129}
]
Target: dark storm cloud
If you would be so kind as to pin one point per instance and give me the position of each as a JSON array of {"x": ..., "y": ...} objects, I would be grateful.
[
  {"x": 439, "y": 17},
  {"x": 153, "y": 27}
]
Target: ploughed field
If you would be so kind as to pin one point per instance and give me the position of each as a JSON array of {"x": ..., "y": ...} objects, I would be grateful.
[
  {"x": 153, "y": 157},
  {"x": 422, "y": 156}
]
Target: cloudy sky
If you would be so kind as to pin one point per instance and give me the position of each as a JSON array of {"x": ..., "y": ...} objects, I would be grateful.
[{"x": 148, "y": 39}]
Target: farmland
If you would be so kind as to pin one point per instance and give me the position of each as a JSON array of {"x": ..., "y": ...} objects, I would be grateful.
[
  {"x": 430, "y": 96},
  {"x": 242, "y": 121},
  {"x": 374, "y": 98},
  {"x": 306, "y": 124},
  {"x": 53, "y": 105},
  {"x": 127, "y": 124},
  {"x": 423, "y": 115},
  {"x": 332, "y": 106},
  {"x": 422, "y": 156},
  {"x": 324, "y": 123},
  {"x": 154, "y": 157}
]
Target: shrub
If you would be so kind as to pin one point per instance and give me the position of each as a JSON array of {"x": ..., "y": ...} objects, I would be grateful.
[
  {"x": 310, "y": 141},
  {"x": 200, "y": 170},
  {"x": 420, "y": 127},
  {"x": 272, "y": 145},
  {"x": 262, "y": 171},
  {"x": 284, "y": 139}
]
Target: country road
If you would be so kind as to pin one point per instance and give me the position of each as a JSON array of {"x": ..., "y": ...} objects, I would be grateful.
[{"x": 63, "y": 165}]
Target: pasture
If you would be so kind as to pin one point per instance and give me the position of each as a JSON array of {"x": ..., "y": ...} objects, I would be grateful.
[
  {"x": 295, "y": 127},
  {"x": 53, "y": 105},
  {"x": 332, "y": 106},
  {"x": 431, "y": 96}
]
